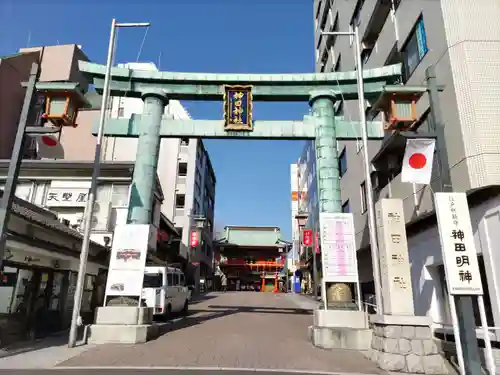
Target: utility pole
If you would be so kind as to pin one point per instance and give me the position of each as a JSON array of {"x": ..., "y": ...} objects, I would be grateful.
[
  {"x": 89, "y": 208},
  {"x": 9, "y": 190},
  {"x": 372, "y": 227},
  {"x": 465, "y": 327},
  {"x": 315, "y": 260}
]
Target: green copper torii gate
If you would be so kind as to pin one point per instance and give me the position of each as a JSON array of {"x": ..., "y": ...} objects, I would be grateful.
[{"x": 322, "y": 90}]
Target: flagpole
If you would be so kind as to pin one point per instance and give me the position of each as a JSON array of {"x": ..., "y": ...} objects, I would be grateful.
[
  {"x": 465, "y": 327},
  {"x": 372, "y": 228},
  {"x": 368, "y": 182}
]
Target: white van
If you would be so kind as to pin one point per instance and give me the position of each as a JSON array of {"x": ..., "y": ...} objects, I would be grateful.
[{"x": 164, "y": 288}]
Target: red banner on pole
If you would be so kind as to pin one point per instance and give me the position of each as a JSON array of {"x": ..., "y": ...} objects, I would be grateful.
[
  {"x": 194, "y": 241},
  {"x": 307, "y": 237},
  {"x": 317, "y": 243}
]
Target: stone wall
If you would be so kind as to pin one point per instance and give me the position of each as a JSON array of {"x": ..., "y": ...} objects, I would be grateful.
[{"x": 407, "y": 349}]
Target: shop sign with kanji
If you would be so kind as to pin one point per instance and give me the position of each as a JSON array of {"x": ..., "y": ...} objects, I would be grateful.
[
  {"x": 70, "y": 197},
  {"x": 307, "y": 237},
  {"x": 457, "y": 243}
]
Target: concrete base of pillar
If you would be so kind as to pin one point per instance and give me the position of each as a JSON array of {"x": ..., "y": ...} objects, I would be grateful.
[
  {"x": 405, "y": 344},
  {"x": 123, "y": 324},
  {"x": 340, "y": 329},
  {"x": 340, "y": 338},
  {"x": 340, "y": 319}
]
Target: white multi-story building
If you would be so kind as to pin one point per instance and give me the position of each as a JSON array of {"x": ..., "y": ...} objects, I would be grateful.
[
  {"x": 459, "y": 39},
  {"x": 185, "y": 173},
  {"x": 294, "y": 185}
]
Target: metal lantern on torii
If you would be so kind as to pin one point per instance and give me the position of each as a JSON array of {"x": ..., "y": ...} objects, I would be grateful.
[
  {"x": 399, "y": 107},
  {"x": 196, "y": 233},
  {"x": 401, "y": 122},
  {"x": 301, "y": 218},
  {"x": 62, "y": 102}
]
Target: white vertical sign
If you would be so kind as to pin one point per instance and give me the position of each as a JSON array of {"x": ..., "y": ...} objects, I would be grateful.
[
  {"x": 338, "y": 248},
  {"x": 457, "y": 242},
  {"x": 128, "y": 260}
]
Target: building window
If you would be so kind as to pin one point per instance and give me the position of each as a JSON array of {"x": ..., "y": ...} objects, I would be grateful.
[
  {"x": 24, "y": 190},
  {"x": 324, "y": 59},
  {"x": 197, "y": 189},
  {"x": 182, "y": 169},
  {"x": 330, "y": 42},
  {"x": 338, "y": 64},
  {"x": 339, "y": 111},
  {"x": 345, "y": 207},
  {"x": 365, "y": 55},
  {"x": 364, "y": 204},
  {"x": 325, "y": 17},
  {"x": 121, "y": 111},
  {"x": 357, "y": 13},
  {"x": 88, "y": 290},
  {"x": 196, "y": 207},
  {"x": 415, "y": 48},
  {"x": 180, "y": 200},
  {"x": 184, "y": 141},
  {"x": 120, "y": 195},
  {"x": 342, "y": 162}
]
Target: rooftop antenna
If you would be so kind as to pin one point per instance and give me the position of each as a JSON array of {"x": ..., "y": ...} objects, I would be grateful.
[
  {"x": 159, "y": 62},
  {"x": 29, "y": 39}
]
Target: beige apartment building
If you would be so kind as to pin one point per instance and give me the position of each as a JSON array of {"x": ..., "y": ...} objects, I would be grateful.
[{"x": 186, "y": 180}]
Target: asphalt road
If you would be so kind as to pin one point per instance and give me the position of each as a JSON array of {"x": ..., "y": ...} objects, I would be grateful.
[
  {"x": 233, "y": 330},
  {"x": 96, "y": 371}
]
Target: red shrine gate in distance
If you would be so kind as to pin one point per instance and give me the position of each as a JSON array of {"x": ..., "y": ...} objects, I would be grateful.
[{"x": 252, "y": 259}]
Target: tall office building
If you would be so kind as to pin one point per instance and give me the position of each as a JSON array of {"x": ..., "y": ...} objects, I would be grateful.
[
  {"x": 460, "y": 38},
  {"x": 305, "y": 200},
  {"x": 294, "y": 187},
  {"x": 184, "y": 170}
]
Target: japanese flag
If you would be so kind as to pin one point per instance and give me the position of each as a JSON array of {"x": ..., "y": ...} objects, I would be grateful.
[
  {"x": 417, "y": 161},
  {"x": 48, "y": 146}
]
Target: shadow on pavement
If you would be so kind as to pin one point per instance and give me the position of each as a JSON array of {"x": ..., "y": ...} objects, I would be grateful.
[
  {"x": 201, "y": 298},
  {"x": 21, "y": 347},
  {"x": 263, "y": 309},
  {"x": 199, "y": 316}
]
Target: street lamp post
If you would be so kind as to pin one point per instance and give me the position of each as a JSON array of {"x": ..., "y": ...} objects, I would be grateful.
[
  {"x": 199, "y": 224},
  {"x": 89, "y": 208},
  {"x": 302, "y": 218},
  {"x": 367, "y": 165}
]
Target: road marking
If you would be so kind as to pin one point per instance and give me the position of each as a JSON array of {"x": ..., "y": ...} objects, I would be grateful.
[{"x": 189, "y": 368}]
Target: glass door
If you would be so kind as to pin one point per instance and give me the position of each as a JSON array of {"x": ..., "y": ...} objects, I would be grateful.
[{"x": 56, "y": 296}]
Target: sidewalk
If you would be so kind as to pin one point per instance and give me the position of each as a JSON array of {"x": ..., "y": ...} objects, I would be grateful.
[
  {"x": 40, "y": 354},
  {"x": 305, "y": 302}
]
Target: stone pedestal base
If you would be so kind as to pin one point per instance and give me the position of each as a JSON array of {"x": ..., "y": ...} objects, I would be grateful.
[
  {"x": 123, "y": 324},
  {"x": 340, "y": 319},
  {"x": 340, "y": 329},
  {"x": 405, "y": 344}
]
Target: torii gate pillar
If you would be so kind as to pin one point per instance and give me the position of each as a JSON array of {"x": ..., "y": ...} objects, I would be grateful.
[{"x": 146, "y": 165}]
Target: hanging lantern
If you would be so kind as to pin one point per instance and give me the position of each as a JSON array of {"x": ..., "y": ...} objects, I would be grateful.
[
  {"x": 401, "y": 113},
  {"x": 62, "y": 102},
  {"x": 399, "y": 105}
]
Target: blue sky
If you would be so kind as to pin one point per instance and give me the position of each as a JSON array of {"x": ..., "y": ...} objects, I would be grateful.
[{"x": 231, "y": 36}]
